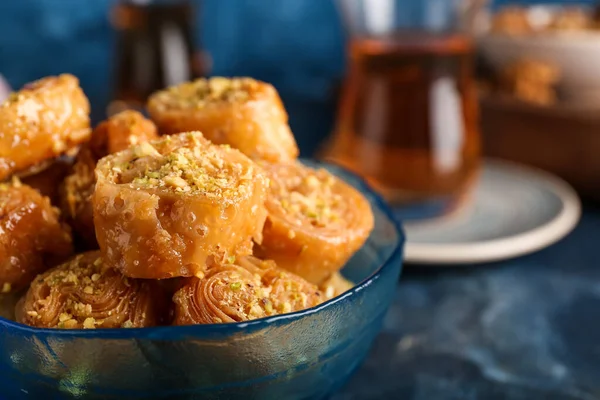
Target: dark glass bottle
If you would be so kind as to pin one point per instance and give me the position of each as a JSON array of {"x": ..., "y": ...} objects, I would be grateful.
[{"x": 154, "y": 49}]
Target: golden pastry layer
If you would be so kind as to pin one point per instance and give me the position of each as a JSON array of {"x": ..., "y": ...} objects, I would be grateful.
[
  {"x": 32, "y": 238},
  {"x": 242, "y": 112},
  {"x": 86, "y": 293},
  {"x": 242, "y": 290},
  {"x": 44, "y": 119},
  {"x": 315, "y": 221},
  {"x": 162, "y": 208},
  {"x": 119, "y": 132},
  {"x": 48, "y": 176},
  {"x": 75, "y": 198}
]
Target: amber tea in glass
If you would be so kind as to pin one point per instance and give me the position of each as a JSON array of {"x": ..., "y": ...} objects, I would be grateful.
[{"x": 408, "y": 114}]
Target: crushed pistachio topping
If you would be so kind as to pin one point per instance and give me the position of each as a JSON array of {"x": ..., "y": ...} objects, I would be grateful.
[
  {"x": 187, "y": 169},
  {"x": 202, "y": 92},
  {"x": 67, "y": 324},
  {"x": 145, "y": 149},
  {"x": 64, "y": 317},
  {"x": 310, "y": 197},
  {"x": 268, "y": 306},
  {"x": 256, "y": 296},
  {"x": 199, "y": 275},
  {"x": 89, "y": 323},
  {"x": 81, "y": 276},
  {"x": 286, "y": 307},
  {"x": 6, "y": 287}
]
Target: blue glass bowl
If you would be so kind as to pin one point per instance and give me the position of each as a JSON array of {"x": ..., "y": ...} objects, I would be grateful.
[{"x": 302, "y": 355}]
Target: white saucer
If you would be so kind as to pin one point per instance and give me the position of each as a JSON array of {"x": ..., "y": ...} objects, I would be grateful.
[{"x": 514, "y": 210}]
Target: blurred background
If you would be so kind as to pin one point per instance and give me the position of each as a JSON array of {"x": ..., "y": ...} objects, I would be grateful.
[
  {"x": 501, "y": 78},
  {"x": 298, "y": 45}
]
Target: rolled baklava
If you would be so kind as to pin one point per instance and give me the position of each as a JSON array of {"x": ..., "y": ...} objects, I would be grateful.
[
  {"x": 85, "y": 293},
  {"x": 119, "y": 132},
  {"x": 162, "y": 208},
  {"x": 43, "y": 120},
  {"x": 242, "y": 112},
  {"x": 240, "y": 290},
  {"x": 315, "y": 222},
  {"x": 32, "y": 238}
]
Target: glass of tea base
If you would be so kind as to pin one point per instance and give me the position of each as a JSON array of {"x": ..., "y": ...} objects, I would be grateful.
[{"x": 408, "y": 115}]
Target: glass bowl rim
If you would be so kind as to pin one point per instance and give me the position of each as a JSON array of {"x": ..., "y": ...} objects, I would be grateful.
[{"x": 204, "y": 330}]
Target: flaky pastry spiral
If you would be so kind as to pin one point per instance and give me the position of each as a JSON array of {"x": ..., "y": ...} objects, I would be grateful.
[
  {"x": 242, "y": 290},
  {"x": 86, "y": 293},
  {"x": 162, "y": 208},
  {"x": 242, "y": 112},
  {"x": 315, "y": 222}
]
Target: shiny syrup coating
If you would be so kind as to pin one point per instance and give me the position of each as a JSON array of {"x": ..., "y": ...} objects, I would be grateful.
[
  {"x": 46, "y": 118},
  {"x": 315, "y": 221},
  {"x": 242, "y": 290},
  {"x": 48, "y": 176},
  {"x": 86, "y": 293},
  {"x": 75, "y": 198},
  {"x": 244, "y": 113},
  {"x": 163, "y": 208},
  {"x": 119, "y": 132},
  {"x": 32, "y": 238}
]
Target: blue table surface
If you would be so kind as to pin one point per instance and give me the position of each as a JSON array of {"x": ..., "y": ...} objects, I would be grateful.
[{"x": 524, "y": 329}]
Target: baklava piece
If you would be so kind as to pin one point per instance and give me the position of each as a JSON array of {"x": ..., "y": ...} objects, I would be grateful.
[
  {"x": 85, "y": 293},
  {"x": 32, "y": 238},
  {"x": 45, "y": 119},
  {"x": 162, "y": 208},
  {"x": 242, "y": 290},
  {"x": 242, "y": 112},
  {"x": 315, "y": 221},
  {"x": 128, "y": 128}
]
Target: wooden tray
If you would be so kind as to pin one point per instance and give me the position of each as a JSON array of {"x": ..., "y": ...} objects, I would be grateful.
[{"x": 563, "y": 140}]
